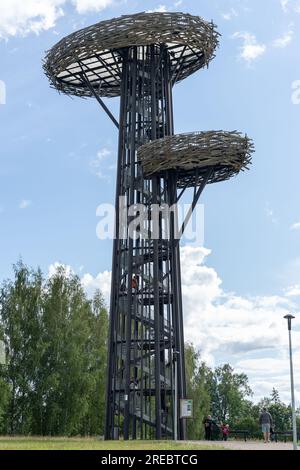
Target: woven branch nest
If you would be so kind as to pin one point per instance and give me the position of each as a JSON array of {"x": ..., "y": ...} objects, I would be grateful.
[
  {"x": 191, "y": 155},
  {"x": 97, "y": 50}
]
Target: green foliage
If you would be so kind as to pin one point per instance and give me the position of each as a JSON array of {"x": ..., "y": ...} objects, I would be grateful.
[
  {"x": 96, "y": 399},
  {"x": 225, "y": 395},
  {"x": 54, "y": 381},
  {"x": 248, "y": 421},
  {"x": 280, "y": 412},
  {"x": 4, "y": 387},
  {"x": 228, "y": 392},
  {"x": 197, "y": 390},
  {"x": 4, "y": 401}
]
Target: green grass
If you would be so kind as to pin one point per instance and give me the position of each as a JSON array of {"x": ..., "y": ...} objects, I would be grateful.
[{"x": 39, "y": 443}]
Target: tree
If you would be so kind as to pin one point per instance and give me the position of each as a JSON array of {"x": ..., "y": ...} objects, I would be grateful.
[
  {"x": 197, "y": 390},
  {"x": 248, "y": 419},
  {"x": 55, "y": 338},
  {"x": 94, "y": 423},
  {"x": 21, "y": 324},
  {"x": 280, "y": 412},
  {"x": 4, "y": 387},
  {"x": 53, "y": 379},
  {"x": 228, "y": 392},
  {"x": 74, "y": 336}
]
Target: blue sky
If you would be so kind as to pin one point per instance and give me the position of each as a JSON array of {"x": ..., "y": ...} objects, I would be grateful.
[{"x": 58, "y": 160}]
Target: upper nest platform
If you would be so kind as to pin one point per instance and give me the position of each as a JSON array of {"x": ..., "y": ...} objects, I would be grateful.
[
  {"x": 191, "y": 155},
  {"x": 96, "y": 52}
]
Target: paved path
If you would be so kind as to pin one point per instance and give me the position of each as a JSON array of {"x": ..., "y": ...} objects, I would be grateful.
[{"x": 250, "y": 445}]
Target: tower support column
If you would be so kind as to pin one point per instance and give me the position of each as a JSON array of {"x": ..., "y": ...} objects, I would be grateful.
[{"x": 146, "y": 307}]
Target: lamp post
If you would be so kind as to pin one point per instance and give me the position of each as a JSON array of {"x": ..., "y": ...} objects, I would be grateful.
[
  {"x": 289, "y": 319},
  {"x": 175, "y": 358}
]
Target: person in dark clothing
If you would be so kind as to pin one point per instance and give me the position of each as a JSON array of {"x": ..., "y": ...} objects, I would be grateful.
[
  {"x": 266, "y": 422},
  {"x": 135, "y": 283},
  {"x": 208, "y": 423},
  {"x": 272, "y": 433}
]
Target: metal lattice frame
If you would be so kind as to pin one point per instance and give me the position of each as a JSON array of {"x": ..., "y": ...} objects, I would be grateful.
[
  {"x": 96, "y": 51},
  {"x": 139, "y": 58},
  {"x": 192, "y": 154},
  {"x": 146, "y": 326}
]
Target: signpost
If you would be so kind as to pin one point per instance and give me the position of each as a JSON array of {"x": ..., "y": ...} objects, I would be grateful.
[
  {"x": 186, "y": 409},
  {"x": 2, "y": 353}
]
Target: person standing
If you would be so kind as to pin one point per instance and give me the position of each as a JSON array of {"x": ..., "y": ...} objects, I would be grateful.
[
  {"x": 225, "y": 431},
  {"x": 208, "y": 422},
  {"x": 266, "y": 421},
  {"x": 135, "y": 284}
]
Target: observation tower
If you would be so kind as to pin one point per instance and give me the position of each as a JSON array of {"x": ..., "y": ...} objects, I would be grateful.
[{"x": 140, "y": 58}]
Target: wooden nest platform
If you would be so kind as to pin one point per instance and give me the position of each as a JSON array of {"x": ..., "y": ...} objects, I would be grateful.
[
  {"x": 191, "y": 155},
  {"x": 96, "y": 53}
]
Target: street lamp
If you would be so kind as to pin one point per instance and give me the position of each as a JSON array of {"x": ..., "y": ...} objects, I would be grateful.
[
  {"x": 289, "y": 319},
  {"x": 175, "y": 359}
]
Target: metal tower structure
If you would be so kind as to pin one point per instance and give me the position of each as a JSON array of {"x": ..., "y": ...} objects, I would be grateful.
[{"x": 140, "y": 58}]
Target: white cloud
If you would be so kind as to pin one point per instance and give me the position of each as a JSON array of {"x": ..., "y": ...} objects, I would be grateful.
[
  {"x": 89, "y": 283},
  {"x": 226, "y": 318},
  {"x": 293, "y": 291},
  {"x": 248, "y": 332},
  {"x": 284, "y": 5},
  {"x": 284, "y": 40},
  {"x": 287, "y": 5},
  {"x": 53, "y": 268},
  {"x": 266, "y": 373},
  {"x": 102, "y": 282},
  {"x": 229, "y": 15},
  {"x": 24, "y": 204},
  {"x": 84, "y": 6},
  {"x": 295, "y": 226},
  {"x": 159, "y": 9},
  {"x": 96, "y": 164},
  {"x": 163, "y": 8},
  {"x": 103, "y": 154},
  {"x": 251, "y": 49},
  {"x": 2, "y": 92},
  {"x": 21, "y": 17},
  {"x": 229, "y": 328}
]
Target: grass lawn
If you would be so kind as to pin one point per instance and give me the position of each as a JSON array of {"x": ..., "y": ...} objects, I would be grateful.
[{"x": 40, "y": 443}]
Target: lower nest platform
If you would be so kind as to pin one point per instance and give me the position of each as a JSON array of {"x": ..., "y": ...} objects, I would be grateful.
[{"x": 192, "y": 155}]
